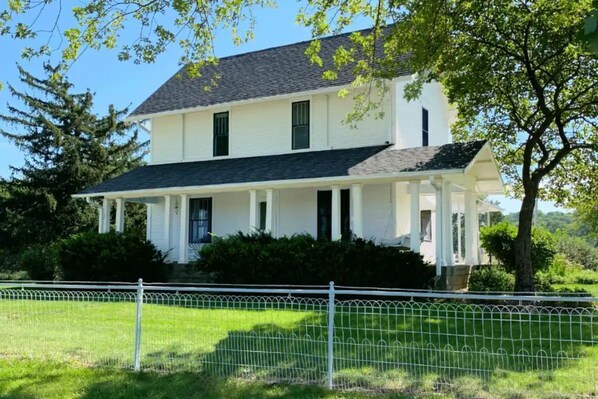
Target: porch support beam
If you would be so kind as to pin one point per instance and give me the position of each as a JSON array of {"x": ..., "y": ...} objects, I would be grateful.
[
  {"x": 415, "y": 225},
  {"x": 447, "y": 224},
  {"x": 120, "y": 215},
  {"x": 105, "y": 222},
  {"x": 437, "y": 237},
  {"x": 357, "y": 204},
  {"x": 336, "y": 212},
  {"x": 253, "y": 211},
  {"x": 471, "y": 228},
  {"x": 184, "y": 230},
  {"x": 271, "y": 207},
  {"x": 167, "y": 221}
]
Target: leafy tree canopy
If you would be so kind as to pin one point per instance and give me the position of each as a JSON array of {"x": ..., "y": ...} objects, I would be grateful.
[
  {"x": 67, "y": 148},
  {"x": 523, "y": 73}
]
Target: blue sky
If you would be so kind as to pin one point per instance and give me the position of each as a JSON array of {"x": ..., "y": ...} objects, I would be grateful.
[{"x": 126, "y": 84}]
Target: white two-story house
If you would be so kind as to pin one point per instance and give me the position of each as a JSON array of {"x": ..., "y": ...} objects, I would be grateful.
[{"x": 266, "y": 148}]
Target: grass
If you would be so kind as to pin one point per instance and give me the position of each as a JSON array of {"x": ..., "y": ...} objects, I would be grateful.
[
  {"x": 591, "y": 288},
  {"x": 455, "y": 350},
  {"x": 26, "y": 379}
]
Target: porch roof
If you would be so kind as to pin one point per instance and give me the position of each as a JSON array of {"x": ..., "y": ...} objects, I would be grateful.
[{"x": 342, "y": 163}]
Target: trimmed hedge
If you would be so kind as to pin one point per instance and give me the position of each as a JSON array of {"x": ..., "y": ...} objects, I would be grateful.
[
  {"x": 109, "y": 257},
  {"x": 491, "y": 279},
  {"x": 499, "y": 241},
  {"x": 258, "y": 258}
]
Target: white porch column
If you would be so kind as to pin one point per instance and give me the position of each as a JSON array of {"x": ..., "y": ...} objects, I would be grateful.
[
  {"x": 415, "y": 225},
  {"x": 184, "y": 230},
  {"x": 336, "y": 213},
  {"x": 447, "y": 224},
  {"x": 253, "y": 214},
  {"x": 439, "y": 229},
  {"x": 271, "y": 207},
  {"x": 459, "y": 244},
  {"x": 471, "y": 228},
  {"x": 100, "y": 219},
  {"x": 105, "y": 215},
  {"x": 120, "y": 215},
  {"x": 357, "y": 204},
  {"x": 167, "y": 222}
]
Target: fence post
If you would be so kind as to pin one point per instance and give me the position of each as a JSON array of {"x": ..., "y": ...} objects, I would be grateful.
[
  {"x": 330, "y": 333},
  {"x": 139, "y": 306}
]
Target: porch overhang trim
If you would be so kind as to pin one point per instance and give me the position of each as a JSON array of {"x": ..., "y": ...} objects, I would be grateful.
[{"x": 276, "y": 184}]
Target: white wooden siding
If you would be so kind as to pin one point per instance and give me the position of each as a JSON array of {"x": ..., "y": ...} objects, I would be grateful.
[
  {"x": 297, "y": 211},
  {"x": 408, "y": 123},
  {"x": 167, "y": 139}
]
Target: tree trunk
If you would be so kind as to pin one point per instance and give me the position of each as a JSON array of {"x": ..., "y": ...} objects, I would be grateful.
[{"x": 524, "y": 272}]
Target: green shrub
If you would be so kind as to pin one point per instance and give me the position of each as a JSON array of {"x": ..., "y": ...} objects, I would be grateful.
[
  {"x": 585, "y": 277},
  {"x": 258, "y": 258},
  {"x": 110, "y": 257},
  {"x": 491, "y": 279},
  {"x": 40, "y": 261},
  {"x": 578, "y": 250},
  {"x": 499, "y": 241}
]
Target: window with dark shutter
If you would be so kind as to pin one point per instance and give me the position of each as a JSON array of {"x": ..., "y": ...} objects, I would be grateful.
[
  {"x": 263, "y": 210},
  {"x": 221, "y": 134},
  {"x": 425, "y": 124},
  {"x": 300, "y": 125},
  {"x": 200, "y": 220}
]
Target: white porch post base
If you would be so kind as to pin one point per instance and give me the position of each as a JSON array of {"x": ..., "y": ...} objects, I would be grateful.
[
  {"x": 184, "y": 230},
  {"x": 415, "y": 225},
  {"x": 357, "y": 204}
]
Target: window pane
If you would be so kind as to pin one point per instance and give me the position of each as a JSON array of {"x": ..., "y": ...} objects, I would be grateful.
[
  {"x": 263, "y": 215},
  {"x": 300, "y": 125},
  {"x": 300, "y": 137},
  {"x": 200, "y": 220},
  {"x": 221, "y": 134},
  {"x": 426, "y": 225},
  {"x": 425, "y": 124}
]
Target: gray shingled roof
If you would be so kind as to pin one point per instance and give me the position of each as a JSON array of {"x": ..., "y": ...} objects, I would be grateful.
[
  {"x": 270, "y": 72},
  {"x": 378, "y": 160}
]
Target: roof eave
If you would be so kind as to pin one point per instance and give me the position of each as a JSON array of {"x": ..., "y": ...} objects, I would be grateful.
[{"x": 275, "y": 184}]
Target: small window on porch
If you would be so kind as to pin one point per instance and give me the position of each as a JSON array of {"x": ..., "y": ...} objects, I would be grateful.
[
  {"x": 200, "y": 220},
  {"x": 426, "y": 225},
  {"x": 263, "y": 210}
]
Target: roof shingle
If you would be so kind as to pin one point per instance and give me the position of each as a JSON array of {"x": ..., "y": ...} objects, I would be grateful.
[
  {"x": 271, "y": 72},
  {"x": 365, "y": 161}
]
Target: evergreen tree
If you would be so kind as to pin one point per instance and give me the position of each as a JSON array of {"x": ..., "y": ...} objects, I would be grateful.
[{"x": 67, "y": 148}]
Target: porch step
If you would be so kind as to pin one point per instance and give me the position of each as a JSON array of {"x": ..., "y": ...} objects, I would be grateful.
[{"x": 185, "y": 274}]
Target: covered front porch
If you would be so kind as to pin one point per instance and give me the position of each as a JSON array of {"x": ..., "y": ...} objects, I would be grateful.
[{"x": 413, "y": 207}]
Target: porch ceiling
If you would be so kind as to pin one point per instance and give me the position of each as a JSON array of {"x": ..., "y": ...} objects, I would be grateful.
[{"x": 365, "y": 162}]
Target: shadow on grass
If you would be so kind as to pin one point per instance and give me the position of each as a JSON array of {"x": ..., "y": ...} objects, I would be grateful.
[
  {"x": 432, "y": 349},
  {"x": 31, "y": 380}
]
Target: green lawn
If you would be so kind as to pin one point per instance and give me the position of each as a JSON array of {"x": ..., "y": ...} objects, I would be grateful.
[
  {"x": 591, "y": 288},
  {"x": 410, "y": 348},
  {"x": 27, "y": 379}
]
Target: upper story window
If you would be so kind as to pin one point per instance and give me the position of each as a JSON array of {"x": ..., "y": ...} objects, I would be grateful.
[
  {"x": 221, "y": 134},
  {"x": 425, "y": 124},
  {"x": 300, "y": 125}
]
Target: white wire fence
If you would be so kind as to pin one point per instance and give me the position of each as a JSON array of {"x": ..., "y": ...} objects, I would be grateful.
[{"x": 414, "y": 343}]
